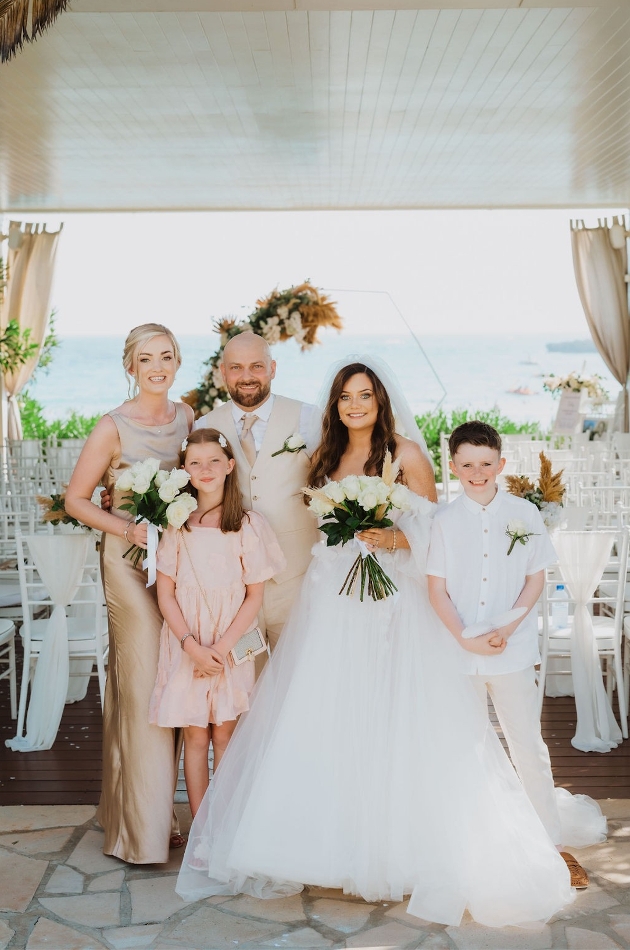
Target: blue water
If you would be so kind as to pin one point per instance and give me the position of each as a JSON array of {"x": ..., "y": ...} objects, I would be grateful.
[{"x": 476, "y": 371}]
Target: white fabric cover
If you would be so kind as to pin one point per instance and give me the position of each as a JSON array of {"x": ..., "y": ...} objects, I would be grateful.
[
  {"x": 59, "y": 560},
  {"x": 582, "y": 558}
]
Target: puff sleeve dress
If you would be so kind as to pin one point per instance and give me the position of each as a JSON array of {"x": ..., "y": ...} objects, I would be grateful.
[{"x": 224, "y": 564}]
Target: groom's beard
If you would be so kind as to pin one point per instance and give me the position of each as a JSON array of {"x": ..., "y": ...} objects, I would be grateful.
[{"x": 251, "y": 398}]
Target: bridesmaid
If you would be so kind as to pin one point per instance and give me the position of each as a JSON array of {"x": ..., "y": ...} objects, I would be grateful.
[{"x": 139, "y": 760}]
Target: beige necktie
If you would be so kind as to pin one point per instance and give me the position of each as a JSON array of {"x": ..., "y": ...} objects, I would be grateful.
[{"x": 247, "y": 438}]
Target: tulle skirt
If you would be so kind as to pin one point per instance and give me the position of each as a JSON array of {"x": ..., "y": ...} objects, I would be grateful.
[{"x": 367, "y": 763}]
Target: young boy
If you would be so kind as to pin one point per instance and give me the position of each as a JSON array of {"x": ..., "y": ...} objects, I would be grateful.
[{"x": 488, "y": 554}]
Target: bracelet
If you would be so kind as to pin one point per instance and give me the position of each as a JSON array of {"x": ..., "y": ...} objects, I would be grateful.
[
  {"x": 393, "y": 547},
  {"x": 125, "y": 535},
  {"x": 181, "y": 642}
]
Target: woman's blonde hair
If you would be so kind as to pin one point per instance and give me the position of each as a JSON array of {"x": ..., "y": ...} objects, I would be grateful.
[{"x": 137, "y": 338}]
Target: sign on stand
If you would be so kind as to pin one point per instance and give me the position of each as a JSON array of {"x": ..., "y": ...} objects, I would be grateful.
[{"x": 570, "y": 413}]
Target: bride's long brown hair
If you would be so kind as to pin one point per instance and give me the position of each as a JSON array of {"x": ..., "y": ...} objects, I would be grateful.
[{"x": 334, "y": 442}]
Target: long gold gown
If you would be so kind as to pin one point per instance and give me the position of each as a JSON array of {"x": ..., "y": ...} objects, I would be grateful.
[{"x": 139, "y": 760}]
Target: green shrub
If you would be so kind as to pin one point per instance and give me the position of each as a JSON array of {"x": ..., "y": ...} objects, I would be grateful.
[
  {"x": 36, "y": 426},
  {"x": 432, "y": 424}
]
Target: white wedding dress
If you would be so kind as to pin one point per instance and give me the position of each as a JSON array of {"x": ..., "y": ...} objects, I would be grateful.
[{"x": 367, "y": 763}]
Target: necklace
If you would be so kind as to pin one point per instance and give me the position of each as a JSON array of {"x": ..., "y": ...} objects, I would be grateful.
[{"x": 209, "y": 511}]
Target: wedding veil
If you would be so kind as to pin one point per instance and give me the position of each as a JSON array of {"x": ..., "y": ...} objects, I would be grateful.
[{"x": 405, "y": 420}]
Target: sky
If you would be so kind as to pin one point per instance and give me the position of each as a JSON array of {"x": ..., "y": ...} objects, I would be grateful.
[{"x": 447, "y": 272}]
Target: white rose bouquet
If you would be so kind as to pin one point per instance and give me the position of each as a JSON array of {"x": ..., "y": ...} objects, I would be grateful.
[
  {"x": 353, "y": 504},
  {"x": 156, "y": 498}
]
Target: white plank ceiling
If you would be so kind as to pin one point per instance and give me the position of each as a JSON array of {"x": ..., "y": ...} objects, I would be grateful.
[{"x": 206, "y": 105}]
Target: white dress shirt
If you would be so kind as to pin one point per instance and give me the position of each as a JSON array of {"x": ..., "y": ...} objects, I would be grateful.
[
  {"x": 263, "y": 412},
  {"x": 469, "y": 548}
]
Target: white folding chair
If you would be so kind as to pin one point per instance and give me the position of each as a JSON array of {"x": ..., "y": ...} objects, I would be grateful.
[
  {"x": 10, "y": 591},
  {"x": 7, "y": 658},
  {"x": 606, "y": 604},
  {"x": 86, "y": 633}
]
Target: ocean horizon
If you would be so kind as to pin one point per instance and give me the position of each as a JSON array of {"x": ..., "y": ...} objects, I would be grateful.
[{"x": 472, "y": 371}]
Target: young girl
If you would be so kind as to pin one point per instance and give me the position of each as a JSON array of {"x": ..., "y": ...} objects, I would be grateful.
[{"x": 211, "y": 575}]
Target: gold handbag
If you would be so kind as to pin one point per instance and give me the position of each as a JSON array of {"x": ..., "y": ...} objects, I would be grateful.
[{"x": 246, "y": 647}]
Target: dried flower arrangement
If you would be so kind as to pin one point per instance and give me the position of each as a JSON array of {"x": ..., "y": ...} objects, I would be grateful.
[
  {"x": 547, "y": 493},
  {"x": 296, "y": 313}
]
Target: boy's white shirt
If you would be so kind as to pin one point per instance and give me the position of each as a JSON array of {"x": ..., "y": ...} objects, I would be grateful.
[{"x": 469, "y": 548}]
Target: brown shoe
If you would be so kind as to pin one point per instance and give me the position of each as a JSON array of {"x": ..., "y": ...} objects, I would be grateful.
[{"x": 579, "y": 877}]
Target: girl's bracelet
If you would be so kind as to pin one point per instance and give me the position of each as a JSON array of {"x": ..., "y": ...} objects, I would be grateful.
[
  {"x": 393, "y": 547},
  {"x": 181, "y": 642}
]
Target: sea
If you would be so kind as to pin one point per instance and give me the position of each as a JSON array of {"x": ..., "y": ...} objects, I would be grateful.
[{"x": 473, "y": 372}]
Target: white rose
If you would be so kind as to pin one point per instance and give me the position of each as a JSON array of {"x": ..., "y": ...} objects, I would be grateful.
[
  {"x": 179, "y": 477},
  {"x": 368, "y": 500},
  {"x": 168, "y": 491},
  {"x": 366, "y": 482},
  {"x": 204, "y": 410},
  {"x": 271, "y": 334},
  {"x": 382, "y": 492},
  {"x": 160, "y": 477},
  {"x": 141, "y": 484},
  {"x": 124, "y": 482},
  {"x": 334, "y": 491},
  {"x": 351, "y": 487},
  {"x": 295, "y": 441},
  {"x": 150, "y": 466},
  {"x": 179, "y": 510},
  {"x": 515, "y": 526},
  {"x": 320, "y": 507},
  {"x": 283, "y": 312},
  {"x": 400, "y": 497}
]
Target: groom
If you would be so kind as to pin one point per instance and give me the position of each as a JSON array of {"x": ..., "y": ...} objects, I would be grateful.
[{"x": 258, "y": 424}]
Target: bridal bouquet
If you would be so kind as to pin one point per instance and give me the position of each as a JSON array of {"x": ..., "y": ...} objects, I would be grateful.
[
  {"x": 354, "y": 504},
  {"x": 156, "y": 498},
  {"x": 547, "y": 493}
]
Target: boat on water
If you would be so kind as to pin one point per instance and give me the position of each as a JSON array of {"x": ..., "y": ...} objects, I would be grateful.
[
  {"x": 572, "y": 346},
  {"x": 521, "y": 391}
]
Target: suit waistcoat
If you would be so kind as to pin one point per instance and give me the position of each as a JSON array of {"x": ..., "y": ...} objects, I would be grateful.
[{"x": 273, "y": 486}]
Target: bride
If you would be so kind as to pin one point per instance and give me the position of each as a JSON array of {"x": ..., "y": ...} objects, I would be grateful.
[{"x": 366, "y": 762}]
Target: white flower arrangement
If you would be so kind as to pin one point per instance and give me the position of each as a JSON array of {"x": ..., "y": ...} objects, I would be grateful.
[
  {"x": 353, "y": 504},
  {"x": 575, "y": 382},
  {"x": 156, "y": 497}
]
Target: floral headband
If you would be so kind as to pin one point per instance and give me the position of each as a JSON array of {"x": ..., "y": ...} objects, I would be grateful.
[{"x": 221, "y": 440}]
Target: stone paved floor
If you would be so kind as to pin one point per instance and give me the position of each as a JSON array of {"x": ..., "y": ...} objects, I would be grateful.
[{"x": 59, "y": 892}]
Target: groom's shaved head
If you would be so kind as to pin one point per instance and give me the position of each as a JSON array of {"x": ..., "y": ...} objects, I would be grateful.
[
  {"x": 247, "y": 368},
  {"x": 241, "y": 346}
]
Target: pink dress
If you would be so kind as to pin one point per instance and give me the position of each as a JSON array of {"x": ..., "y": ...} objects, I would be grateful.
[{"x": 225, "y": 564}]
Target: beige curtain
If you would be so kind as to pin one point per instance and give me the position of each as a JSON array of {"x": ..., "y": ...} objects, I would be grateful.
[
  {"x": 31, "y": 264},
  {"x": 600, "y": 272}
]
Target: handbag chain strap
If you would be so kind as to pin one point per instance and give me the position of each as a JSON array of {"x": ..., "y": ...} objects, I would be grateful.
[{"x": 203, "y": 593}]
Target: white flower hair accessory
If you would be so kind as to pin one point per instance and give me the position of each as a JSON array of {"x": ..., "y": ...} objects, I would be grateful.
[
  {"x": 184, "y": 445},
  {"x": 222, "y": 440}
]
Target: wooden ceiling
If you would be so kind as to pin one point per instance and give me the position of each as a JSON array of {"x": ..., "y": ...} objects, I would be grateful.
[{"x": 261, "y": 104}]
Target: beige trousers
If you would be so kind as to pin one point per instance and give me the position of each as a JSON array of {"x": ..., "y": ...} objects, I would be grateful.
[
  {"x": 276, "y": 606},
  {"x": 515, "y": 699}
]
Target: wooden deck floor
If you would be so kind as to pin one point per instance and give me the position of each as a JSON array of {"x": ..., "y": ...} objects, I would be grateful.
[{"x": 70, "y": 772}]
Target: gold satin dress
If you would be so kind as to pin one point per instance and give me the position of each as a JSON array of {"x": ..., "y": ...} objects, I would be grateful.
[{"x": 139, "y": 760}]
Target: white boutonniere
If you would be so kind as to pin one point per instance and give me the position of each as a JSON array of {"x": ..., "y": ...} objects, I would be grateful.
[
  {"x": 517, "y": 531},
  {"x": 294, "y": 443}
]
